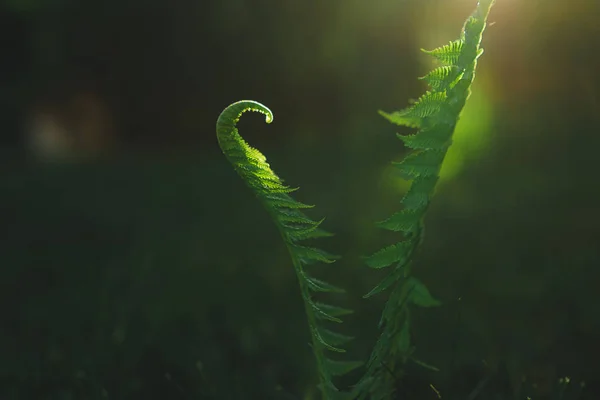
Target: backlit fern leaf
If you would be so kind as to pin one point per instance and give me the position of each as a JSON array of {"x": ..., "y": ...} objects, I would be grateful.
[
  {"x": 429, "y": 104},
  {"x": 294, "y": 227},
  {"x": 421, "y": 163},
  {"x": 442, "y": 77},
  {"x": 448, "y": 54},
  {"x": 406, "y": 221},
  {"x": 428, "y": 139},
  {"x": 435, "y": 115}
]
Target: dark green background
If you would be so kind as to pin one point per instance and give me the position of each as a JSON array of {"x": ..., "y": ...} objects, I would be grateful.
[{"x": 152, "y": 273}]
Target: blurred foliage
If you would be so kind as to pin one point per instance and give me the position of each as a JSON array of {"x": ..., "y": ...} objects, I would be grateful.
[{"x": 116, "y": 282}]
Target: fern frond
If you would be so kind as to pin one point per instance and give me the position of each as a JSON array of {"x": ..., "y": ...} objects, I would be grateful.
[
  {"x": 294, "y": 227},
  {"x": 435, "y": 114}
]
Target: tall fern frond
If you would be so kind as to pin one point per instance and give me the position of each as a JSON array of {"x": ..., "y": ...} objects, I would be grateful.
[
  {"x": 294, "y": 226},
  {"x": 435, "y": 114}
]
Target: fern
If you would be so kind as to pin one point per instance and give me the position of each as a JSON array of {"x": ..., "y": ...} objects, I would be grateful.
[
  {"x": 294, "y": 227},
  {"x": 435, "y": 114}
]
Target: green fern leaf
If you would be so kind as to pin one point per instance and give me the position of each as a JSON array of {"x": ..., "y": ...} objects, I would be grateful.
[
  {"x": 403, "y": 339},
  {"x": 406, "y": 221},
  {"x": 294, "y": 226},
  {"x": 392, "y": 278},
  {"x": 300, "y": 232},
  {"x": 317, "y": 285},
  {"x": 443, "y": 77},
  {"x": 282, "y": 200},
  {"x": 399, "y": 118},
  {"x": 420, "y": 193},
  {"x": 319, "y": 339},
  {"x": 421, "y": 163},
  {"x": 333, "y": 310},
  {"x": 429, "y": 104},
  {"x": 334, "y": 338},
  {"x": 389, "y": 255},
  {"x": 310, "y": 255},
  {"x": 341, "y": 367},
  {"x": 448, "y": 54},
  {"x": 435, "y": 138},
  {"x": 322, "y": 314},
  {"x": 420, "y": 295},
  {"x": 435, "y": 115},
  {"x": 295, "y": 218}
]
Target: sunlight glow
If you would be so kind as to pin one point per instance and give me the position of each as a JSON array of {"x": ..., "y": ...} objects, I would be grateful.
[{"x": 472, "y": 134}]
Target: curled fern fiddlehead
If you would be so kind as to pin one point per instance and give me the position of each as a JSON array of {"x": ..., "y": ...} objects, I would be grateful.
[
  {"x": 435, "y": 116},
  {"x": 294, "y": 227}
]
